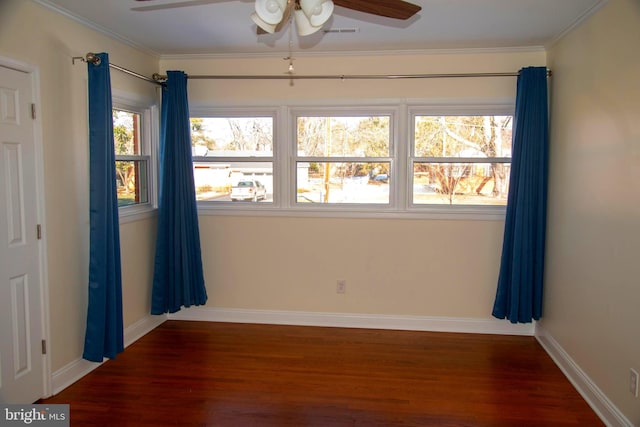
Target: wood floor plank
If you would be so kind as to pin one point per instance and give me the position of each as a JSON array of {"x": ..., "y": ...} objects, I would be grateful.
[{"x": 229, "y": 374}]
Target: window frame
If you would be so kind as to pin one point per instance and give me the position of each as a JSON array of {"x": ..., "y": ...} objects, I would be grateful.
[
  {"x": 402, "y": 114},
  {"x": 344, "y": 111},
  {"x": 243, "y": 112},
  {"x": 147, "y": 111},
  {"x": 484, "y": 109}
]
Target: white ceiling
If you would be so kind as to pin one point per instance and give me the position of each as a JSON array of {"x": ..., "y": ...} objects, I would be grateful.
[{"x": 224, "y": 26}]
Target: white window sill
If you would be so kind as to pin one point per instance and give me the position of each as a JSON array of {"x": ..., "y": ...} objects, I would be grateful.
[
  {"x": 466, "y": 213},
  {"x": 136, "y": 213}
]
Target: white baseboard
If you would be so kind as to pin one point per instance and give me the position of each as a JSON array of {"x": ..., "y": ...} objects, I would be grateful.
[
  {"x": 77, "y": 369},
  {"x": 599, "y": 402},
  {"x": 142, "y": 327},
  {"x": 348, "y": 320}
]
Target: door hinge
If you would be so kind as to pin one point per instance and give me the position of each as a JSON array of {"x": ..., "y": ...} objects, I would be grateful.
[
  {"x": 44, "y": 346},
  {"x": 33, "y": 111},
  {"x": 38, "y": 231}
]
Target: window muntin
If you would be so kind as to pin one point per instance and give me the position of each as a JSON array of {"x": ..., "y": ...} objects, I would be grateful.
[
  {"x": 343, "y": 159},
  {"x": 132, "y": 158},
  {"x": 461, "y": 160},
  {"x": 227, "y": 150}
]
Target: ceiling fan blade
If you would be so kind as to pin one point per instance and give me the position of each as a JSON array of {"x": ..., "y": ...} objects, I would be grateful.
[
  {"x": 397, "y": 9},
  {"x": 286, "y": 15},
  {"x": 174, "y": 5}
]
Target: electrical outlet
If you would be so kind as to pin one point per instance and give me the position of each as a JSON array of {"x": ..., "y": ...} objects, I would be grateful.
[
  {"x": 633, "y": 382},
  {"x": 341, "y": 286}
]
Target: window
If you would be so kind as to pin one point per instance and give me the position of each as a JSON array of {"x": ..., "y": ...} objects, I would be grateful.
[
  {"x": 132, "y": 167},
  {"x": 385, "y": 159},
  {"x": 461, "y": 160},
  {"x": 230, "y": 152},
  {"x": 135, "y": 135},
  {"x": 343, "y": 159}
]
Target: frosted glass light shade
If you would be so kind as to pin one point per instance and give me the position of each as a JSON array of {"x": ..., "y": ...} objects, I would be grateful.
[
  {"x": 303, "y": 25},
  {"x": 269, "y": 28},
  {"x": 317, "y": 11},
  {"x": 270, "y": 11}
]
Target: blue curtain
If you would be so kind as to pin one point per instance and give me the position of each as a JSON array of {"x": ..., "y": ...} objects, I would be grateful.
[
  {"x": 104, "y": 333},
  {"x": 520, "y": 282},
  {"x": 178, "y": 278}
]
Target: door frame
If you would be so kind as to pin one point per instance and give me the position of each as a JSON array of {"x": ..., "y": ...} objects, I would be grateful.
[{"x": 34, "y": 76}]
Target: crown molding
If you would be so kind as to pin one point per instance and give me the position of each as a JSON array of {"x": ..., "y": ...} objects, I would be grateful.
[
  {"x": 578, "y": 21},
  {"x": 95, "y": 27},
  {"x": 408, "y": 52}
]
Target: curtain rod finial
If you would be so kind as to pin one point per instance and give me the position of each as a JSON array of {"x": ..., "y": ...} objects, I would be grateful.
[{"x": 93, "y": 58}]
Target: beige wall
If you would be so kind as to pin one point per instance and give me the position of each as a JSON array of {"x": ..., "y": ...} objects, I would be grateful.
[
  {"x": 276, "y": 92},
  {"x": 32, "y": 34},
  {"x": 401, "y": 267},
  {"x": 420, "y": 267},
  {"x": 593, "y": 269}
]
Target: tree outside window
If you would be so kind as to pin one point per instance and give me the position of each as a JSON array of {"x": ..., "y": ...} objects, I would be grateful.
[
  {"x": 131, "y": 164},
  {"x": 343, "y": 159},
  {"x": 461, "y": 159}
]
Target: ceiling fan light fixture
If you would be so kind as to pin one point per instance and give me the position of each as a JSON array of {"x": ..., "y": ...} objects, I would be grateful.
[
  {"x": 270, "y": 11},
  {"x": 303, "y": 25},
  {"x": 317, "y": 11},
  {"x": 269, "y": 28}
]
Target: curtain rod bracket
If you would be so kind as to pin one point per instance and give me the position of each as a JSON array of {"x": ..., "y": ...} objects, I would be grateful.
[
  {"x": 89, "y": 57},
  {"x": 96, "y": 60},
  {"x": 93, "y": 58}
]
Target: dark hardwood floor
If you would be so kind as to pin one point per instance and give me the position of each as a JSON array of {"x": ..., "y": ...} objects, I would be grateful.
[{"x": 226, "y": 374}]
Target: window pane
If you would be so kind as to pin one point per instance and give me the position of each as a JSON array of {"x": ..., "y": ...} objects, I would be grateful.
[
  {"x": 334, "y": 182},
  {"x": 461, "y": 183},
  {"x": 131, "y": 182},
  {"x": 463, "y": 136},
  {"x": 215, "y": 181},
  {"x": 232, "y": 136},
  {"x": 343, "y": 136},
  {"x": 126, "y": 133}
]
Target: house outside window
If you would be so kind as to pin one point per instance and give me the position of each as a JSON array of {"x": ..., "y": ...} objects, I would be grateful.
[{"x": 233, "y": 158}]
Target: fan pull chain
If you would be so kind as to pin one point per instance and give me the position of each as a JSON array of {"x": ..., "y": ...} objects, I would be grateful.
[{"x": 290, "y": 58}]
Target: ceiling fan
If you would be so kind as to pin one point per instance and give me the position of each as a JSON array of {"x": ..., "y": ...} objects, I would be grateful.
[{"x": 309, "y": 15}]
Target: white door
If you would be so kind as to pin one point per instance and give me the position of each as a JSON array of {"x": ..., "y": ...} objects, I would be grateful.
[{"x": 21, "y": 360}]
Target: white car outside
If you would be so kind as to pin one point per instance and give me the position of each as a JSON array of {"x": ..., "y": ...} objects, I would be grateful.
[{"x": 248, "y": 189}]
